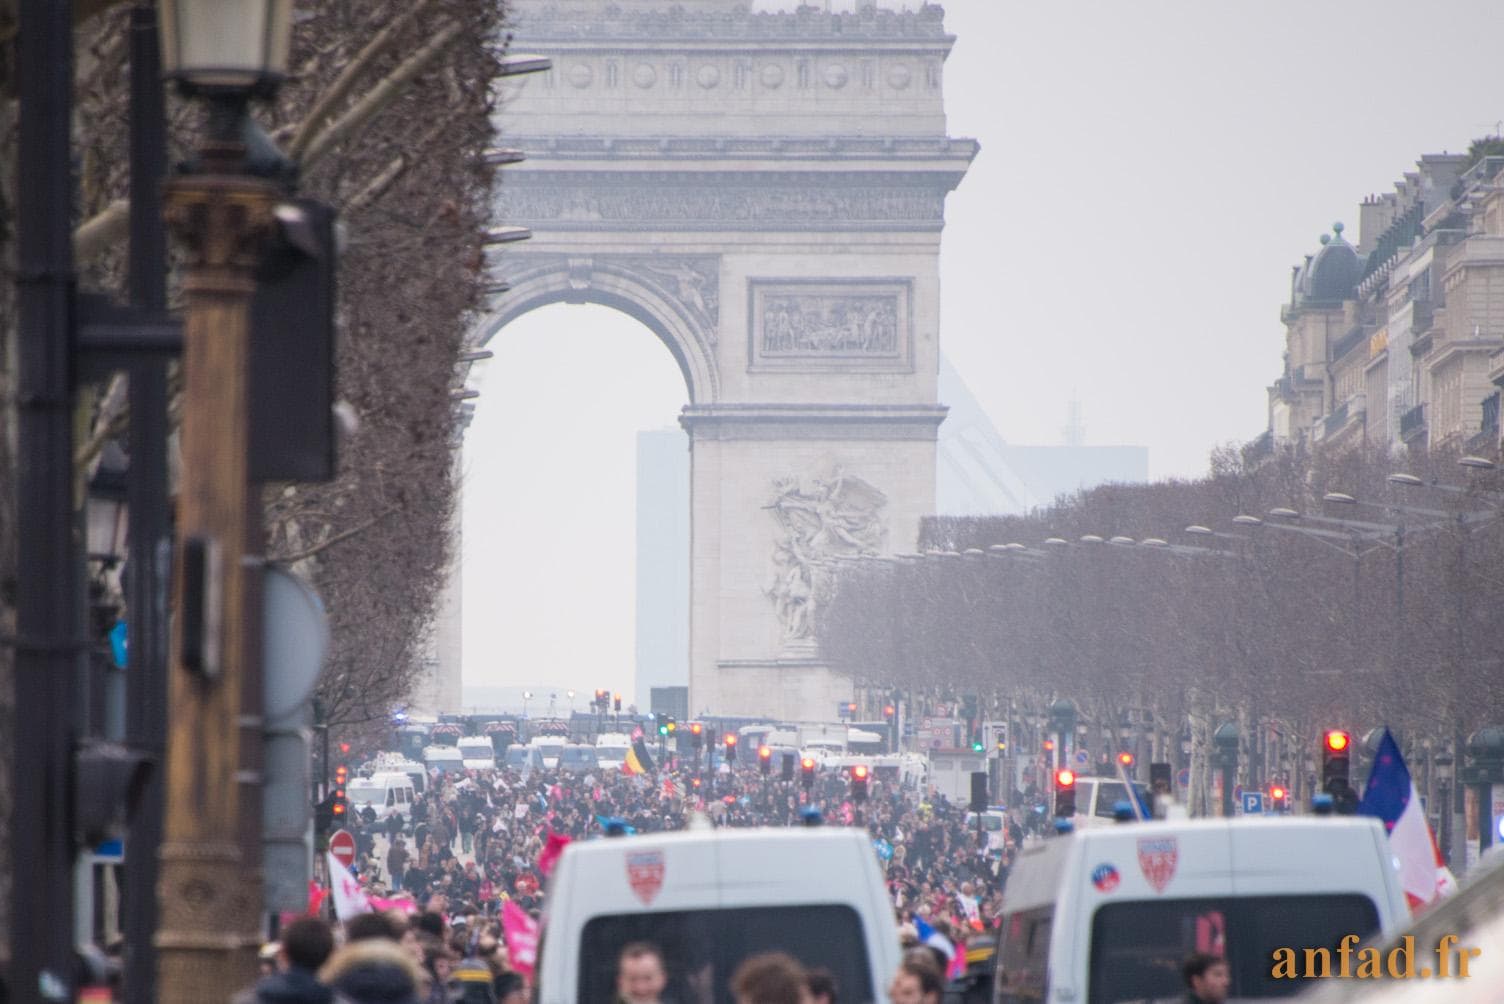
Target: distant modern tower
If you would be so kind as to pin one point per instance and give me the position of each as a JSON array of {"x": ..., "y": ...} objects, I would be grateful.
[{"x": 662, "y": 562}]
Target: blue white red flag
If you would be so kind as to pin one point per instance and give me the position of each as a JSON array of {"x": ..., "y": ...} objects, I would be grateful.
[{"x": 1391, "y": 796}]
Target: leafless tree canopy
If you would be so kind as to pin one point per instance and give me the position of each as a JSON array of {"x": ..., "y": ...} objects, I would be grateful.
[
  {"x": 1267, "y": 627},
  {"x": 389, "y": 110}
]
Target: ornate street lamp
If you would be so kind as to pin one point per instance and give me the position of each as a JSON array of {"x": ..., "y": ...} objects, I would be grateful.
[
  {"x": 223, "y": 52},
  {"x": 232, "y": 48}
]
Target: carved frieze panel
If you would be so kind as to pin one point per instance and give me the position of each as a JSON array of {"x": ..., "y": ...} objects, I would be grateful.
[
  {"x": 861, "y": 324},
  {"x": 688, "y": 202}
]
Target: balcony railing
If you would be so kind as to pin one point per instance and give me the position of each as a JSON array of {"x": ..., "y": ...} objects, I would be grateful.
[
  {"x": 1413, "y": 421},
  {"x": 1336, "y": 420}
]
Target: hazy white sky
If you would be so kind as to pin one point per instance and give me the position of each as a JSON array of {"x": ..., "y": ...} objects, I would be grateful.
[{"x": 1150, "y": 170}]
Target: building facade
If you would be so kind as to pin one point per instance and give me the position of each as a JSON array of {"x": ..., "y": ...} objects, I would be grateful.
[{"x": 1397, "y": 342}]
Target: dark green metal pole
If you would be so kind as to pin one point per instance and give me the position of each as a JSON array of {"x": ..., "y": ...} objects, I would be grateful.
[{"x": 49, "y": 609}]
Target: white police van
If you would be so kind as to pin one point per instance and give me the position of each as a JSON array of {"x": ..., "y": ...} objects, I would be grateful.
[
  {"x": 1109, "y": 915},
  {"x": 708, "y": 899}
]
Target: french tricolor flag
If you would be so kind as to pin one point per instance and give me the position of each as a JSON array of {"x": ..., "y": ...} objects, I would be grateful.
[{"x": 1391, "y": 796}]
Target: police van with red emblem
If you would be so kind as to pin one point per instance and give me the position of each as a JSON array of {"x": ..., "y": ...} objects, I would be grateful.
[
  {"x": 1103, "y": 916},
  {"x": 706, "y": 900}
]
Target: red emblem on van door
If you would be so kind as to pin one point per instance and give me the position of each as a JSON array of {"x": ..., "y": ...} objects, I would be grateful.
[
  {"x": 1157, "y": 857},
  {"x": 645, "y": 874}
]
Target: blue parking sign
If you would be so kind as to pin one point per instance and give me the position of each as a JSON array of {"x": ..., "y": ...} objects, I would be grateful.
[{"x": 1253, "y": 803}]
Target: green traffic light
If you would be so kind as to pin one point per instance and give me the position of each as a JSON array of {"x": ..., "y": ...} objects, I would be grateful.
[
  {"x": 976, "y": 747},
  {"x": 663, "y": 730}
]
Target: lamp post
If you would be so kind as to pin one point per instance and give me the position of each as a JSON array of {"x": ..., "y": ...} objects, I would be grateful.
[
  {"x": 1444, "y": 765},
  {"x": 224, "y": 54}
]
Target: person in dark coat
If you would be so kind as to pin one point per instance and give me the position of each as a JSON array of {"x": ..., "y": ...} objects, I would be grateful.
[{"x": 306, "y": 944}]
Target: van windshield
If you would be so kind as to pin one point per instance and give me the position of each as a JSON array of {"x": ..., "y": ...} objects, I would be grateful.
[
  {"x": 702, "y": 948},
  {"x": 519, "y": 755},
  {"x": 1137, "y": 948},
  {"x": 611, "y": 754},
  {"x": 1113, "y": 792},
  {"x": 582, "y": 757},
  {"x": 362, "y": 794}
]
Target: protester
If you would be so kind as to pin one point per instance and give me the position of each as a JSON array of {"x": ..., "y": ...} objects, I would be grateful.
[{"x": 373, "y": 971}]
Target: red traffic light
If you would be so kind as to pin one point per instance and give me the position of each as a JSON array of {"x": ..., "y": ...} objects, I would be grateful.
[
  {"x": 1337, "y": 740},
  {"x": 1049, "y": 745},
  {"x": 730, "y": 739},
  {"x": 341, "y": 775},
  {"x": 696, "y": 728},
  {"x": 807, "y": 764},
  {"x": 344, "y": 747},
  {"x": 1126, "y": 759},
  {"x": 888, "y": 710},
  {"x": 859, "y": 772},
  {"x": 1065, "y": 778},
  {"x": 1277, "y": 793},
  {"x": 764, "y": 753}
]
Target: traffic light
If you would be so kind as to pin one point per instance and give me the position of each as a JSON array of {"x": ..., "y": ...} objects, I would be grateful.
[
  {"x": 1277, "y": 797},
  {"x": 292, "y": 359},
  {"x": 889, "y": 711},
  {"x": 788, "y": 766},
  {"x": 1065, "y": 793},
  {"x": 765, "y": 760},
  {"x": 1126, "y": 759},
  {"x": 1000, "y": 737},
  {"x": 108, "y": 782},
  {"x": 323, "y": 816},
  {"x": 673, "y": 727},
  {"x": 1336, "y": 765},
  {"x": 697, "y": 734},
  {"x": 344, "y": 748},
  {"x": 859, "y": 783},
  {"x": 1049, "y": 745},
  {"x": 807, "y": 772},
  {"x": 730, "y": 742},
  {"x": 616, "y": 700},
  {"x": 339, "y": 807},
  {"x": 662, "y": 721},
  {"x": 976, "y": 741}
]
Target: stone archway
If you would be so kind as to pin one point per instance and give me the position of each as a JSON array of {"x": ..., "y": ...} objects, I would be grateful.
[
  {"x": 765, "y": 192},
  {"x": 674, "y": 296}
]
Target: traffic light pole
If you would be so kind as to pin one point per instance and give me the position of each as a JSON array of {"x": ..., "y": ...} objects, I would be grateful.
[
  {"x": 146, "y": 711},
  {"x": 48, "y": 643}
]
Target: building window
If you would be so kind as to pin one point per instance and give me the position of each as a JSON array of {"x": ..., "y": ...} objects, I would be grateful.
[{"x": 612, "y": 74}]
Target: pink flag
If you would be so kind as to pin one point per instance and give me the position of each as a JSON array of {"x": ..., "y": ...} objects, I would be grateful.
[
  {"x": 549, "y": 856},
  {"x": 521, "y": 934}
]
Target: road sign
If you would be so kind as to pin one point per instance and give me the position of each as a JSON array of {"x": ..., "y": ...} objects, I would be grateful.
[
  {"x": 1253, "y": 803},
  {"x": 1184, "y": 777},
  {"x": 1082, "y": 758},
  {"x": 342, "y": 846}
]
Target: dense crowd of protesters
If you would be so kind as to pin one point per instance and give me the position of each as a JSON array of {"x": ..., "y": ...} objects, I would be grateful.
[{"x": 475, "y": 841}]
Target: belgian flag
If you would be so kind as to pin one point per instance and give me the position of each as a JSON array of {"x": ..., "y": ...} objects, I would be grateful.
[{"x": 638, "y": 760}]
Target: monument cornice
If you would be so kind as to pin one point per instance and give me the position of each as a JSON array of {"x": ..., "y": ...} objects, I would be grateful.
[
  {"x": 557, "y": 23},
  {"x": 954, "y": 152},
  {"x": 887, "y": 422},
  {"x": 552, "y": 201}
]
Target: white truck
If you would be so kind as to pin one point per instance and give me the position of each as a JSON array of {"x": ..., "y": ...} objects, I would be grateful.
[{"x": 950, "y": 773}]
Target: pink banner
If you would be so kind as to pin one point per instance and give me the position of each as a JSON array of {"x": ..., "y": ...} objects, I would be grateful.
[{"x": 521, "y": 934}]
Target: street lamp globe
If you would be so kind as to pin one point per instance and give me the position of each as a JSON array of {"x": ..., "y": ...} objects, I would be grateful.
[{"x": 235, "y": 48}]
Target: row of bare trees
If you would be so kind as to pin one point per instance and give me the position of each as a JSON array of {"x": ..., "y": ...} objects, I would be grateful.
[
  {"x": 388, "y": 113},
  {"x": 1284, "y": 627}
]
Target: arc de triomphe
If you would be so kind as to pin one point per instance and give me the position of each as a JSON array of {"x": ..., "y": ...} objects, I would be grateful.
[{"x": 765, "y": 192}]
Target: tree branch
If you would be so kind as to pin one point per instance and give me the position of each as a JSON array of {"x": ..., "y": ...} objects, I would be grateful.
[
  {"x": 345, "y": 82},
  {"x": 308, "y": 552},
  {"x": 378, "y": 98}
]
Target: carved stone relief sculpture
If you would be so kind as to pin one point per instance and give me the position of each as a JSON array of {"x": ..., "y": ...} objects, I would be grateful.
[
  {"x": 800, "y": 325},
  {"x": 818, "y": 519}
]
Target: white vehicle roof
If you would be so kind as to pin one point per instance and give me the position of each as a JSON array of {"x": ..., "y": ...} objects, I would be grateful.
[
  {"x": 442, "y": 753},
  {"x": 1242, "y": 857},
  {"x": 613, "y": 739}
]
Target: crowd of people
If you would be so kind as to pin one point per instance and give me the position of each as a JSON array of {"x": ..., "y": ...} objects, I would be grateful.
[{"x": 475, "y": 841}]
